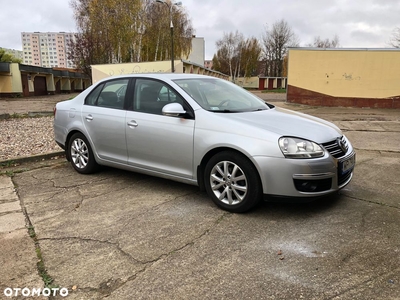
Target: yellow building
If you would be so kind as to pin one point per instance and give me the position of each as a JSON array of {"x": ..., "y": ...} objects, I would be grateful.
[
  {"x": 344, "y": 77},
  {"x": 181, "y": 66},
  {"x": 18, "y": 80}
]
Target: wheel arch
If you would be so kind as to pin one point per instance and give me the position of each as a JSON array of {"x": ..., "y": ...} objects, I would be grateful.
[
  {"x": 70, "y": 134},
  {"x": 211, "y": 153}
]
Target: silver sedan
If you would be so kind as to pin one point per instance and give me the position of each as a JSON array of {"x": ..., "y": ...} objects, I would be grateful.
[{"x": 203, "y": 131}]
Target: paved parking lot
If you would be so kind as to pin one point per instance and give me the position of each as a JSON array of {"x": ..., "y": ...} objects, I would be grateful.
[{"x": 121, "y": 235}]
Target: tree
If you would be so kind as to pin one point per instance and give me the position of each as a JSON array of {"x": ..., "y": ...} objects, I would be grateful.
[
  {"x": 395, "y": 39},
  {"x": 275, "y": 43},
  {"x": 7, "y": 57},
  {"x": 320, "y": 43},
  {"x": 220, "y": 61},
  {"x": 114, "y": 31},
  {"x": 89, "y": 46},
  {"x": 250, "y": 55},
  {"x": 156, "y": 32},
  {"x": 229, "y": 53},
  {"x": 236, "y": 56}
]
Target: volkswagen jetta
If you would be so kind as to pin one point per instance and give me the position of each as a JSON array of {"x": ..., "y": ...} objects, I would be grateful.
[{"x": 203, "y": 131}]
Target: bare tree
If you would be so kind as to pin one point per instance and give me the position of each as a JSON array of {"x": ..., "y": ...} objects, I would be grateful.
[
  {"x": 395, "y": 39},
  {"x": 275, "y": 44},
  {"x": 237, "y": 56},
  {"x": 326, "y": 43},
  {"x": 229, "y": 52}
]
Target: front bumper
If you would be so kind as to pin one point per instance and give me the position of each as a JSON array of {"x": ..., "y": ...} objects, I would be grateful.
[{"x": 305, "y": 178}]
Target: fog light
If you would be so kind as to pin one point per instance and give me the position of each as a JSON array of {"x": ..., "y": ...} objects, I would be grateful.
[
  {"x": 308, "y": 186},
  {"x": 313, "y": 186}
]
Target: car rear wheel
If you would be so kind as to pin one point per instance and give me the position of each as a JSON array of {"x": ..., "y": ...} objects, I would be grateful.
[
  {"x": 81, "y": 154},
  {"x": 232, "y": 182}
]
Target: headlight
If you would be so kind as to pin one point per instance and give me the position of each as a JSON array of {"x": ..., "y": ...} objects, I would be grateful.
[{"x": 299, "y": 148}]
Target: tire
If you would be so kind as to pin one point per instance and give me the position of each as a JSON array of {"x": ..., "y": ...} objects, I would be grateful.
[
  {"x": 232, "y": 182},
  {"x": 81, "y": 154}
]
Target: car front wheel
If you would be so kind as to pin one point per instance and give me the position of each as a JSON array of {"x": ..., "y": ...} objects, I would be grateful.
[
  {"x": 232, "y": 182},
  {"x": 81, "y": 154}
]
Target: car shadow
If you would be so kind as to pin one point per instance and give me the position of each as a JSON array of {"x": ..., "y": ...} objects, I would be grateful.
[
  {"x": 291, "y": 208},
  {"x": 283, "y": 207}
]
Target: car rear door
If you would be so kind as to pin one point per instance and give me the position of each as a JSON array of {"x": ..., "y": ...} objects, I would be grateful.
[{"x": 104, "y": 118}]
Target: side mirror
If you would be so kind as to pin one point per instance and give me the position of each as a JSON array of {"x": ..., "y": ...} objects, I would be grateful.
[{"x": 173, "y": 110}]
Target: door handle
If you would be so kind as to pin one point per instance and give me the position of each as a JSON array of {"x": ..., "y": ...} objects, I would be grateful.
[
  {"x": 89, "y": 118},
  {"x": 132, "y": 124}
]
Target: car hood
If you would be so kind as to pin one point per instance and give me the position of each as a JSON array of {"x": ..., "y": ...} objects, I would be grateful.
[{"x": 285, "y": 122}]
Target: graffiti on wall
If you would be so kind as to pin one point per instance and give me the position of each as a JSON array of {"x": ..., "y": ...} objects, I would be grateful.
[
  {"x": 132, "y": 70},
  {"x": 350, "y": 77}
]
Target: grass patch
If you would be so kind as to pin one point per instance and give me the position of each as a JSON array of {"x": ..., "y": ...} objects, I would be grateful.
[
  {"x": 32, "y": 115},
  {"x": 18, "y": 95},
  {"x": 11, "y": 173},
  {"x": 18, "y": 116},
  {"x": 7, "y": 164},
  {"x": 278, "y": 91},
  {"x": 47, "y": 279}
]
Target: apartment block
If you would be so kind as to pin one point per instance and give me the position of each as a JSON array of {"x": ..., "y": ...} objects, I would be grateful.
[{"x": 46, "y": 49}]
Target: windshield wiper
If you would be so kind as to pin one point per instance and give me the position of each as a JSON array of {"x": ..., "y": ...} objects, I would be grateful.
[{"x": 225, "y": 111}]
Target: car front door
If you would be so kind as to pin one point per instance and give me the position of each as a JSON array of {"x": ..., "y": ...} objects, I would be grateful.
[{"x": 155, "y": 142}]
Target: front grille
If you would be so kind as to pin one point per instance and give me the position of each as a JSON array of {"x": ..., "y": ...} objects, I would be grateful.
[
  {"x": 338, "y": 148},
  {"x": 335, "y": 147}
]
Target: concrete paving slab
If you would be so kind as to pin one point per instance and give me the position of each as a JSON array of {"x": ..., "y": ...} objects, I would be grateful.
[
  {"x": 123, "y": 235},
  {"x": 314, "y": 251},
  {"x": 377, "y": 178},
  {"x": 375, "y": 141},
  {"x": 373, "y": 126},
  {"x": 17, "y": 251}
]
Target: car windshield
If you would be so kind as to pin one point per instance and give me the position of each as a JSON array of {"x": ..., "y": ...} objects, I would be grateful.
[{"x": 219, "y": 95}]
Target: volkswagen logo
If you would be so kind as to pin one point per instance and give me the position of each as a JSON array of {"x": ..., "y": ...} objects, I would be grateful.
[{"x": 342, "y": 145}]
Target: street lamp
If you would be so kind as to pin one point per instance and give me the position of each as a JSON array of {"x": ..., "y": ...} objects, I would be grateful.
[{"x": 172, "y": 29}]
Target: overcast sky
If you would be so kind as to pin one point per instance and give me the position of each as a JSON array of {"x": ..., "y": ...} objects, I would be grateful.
[{"x": 358, "y": 23}]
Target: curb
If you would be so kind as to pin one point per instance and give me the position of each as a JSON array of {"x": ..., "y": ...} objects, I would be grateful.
[
  {"x": 29, "y": 114},
  {"x": 33, "y": 158},
  {"x": 4, "y": 116},
  {"x": 40, "y": 113}
]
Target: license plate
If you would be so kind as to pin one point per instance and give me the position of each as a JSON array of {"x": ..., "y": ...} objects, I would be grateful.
[{"x": 347, "y": 164}]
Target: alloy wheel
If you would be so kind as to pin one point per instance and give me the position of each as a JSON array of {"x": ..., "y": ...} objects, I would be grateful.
[
  {"x": 228, "y": 182},
  {"x": 79, "y": 153}
]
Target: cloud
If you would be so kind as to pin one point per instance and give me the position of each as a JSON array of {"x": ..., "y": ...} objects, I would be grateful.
[
  {"x": 358, "y": 23},
  {"x": 30, "y": 16}
]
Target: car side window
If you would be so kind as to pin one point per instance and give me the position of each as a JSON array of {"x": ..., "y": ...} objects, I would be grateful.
[
  {"x": 151, "y": 96},
  {"x": 91, "y": 99},
  {"x": 110, "y": 94}
]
